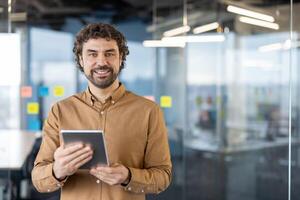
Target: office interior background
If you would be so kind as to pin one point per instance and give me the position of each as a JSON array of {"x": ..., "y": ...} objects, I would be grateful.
[{"x": 224, "y": 72}]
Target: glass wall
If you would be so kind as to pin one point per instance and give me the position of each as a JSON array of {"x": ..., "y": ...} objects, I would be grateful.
[
  {"x": 236, "y": 98},
  {"x": 229, "y": 91}
]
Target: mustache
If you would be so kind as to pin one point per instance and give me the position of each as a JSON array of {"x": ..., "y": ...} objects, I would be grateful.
[{"x": 104, "y": 67}]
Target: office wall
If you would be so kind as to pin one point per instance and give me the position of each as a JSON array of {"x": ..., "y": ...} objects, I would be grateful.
[{"x": 234, "y": 112}]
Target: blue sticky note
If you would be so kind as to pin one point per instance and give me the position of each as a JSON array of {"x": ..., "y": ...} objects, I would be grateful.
[
  {"x": 43, "y": 91},
  {"x": 34, "y": 125}
]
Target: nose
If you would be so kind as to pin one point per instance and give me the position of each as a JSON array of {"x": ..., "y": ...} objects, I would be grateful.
[{"x": 101, "y": 60}]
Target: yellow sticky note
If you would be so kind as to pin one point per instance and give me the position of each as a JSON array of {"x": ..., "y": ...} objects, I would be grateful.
[
  {"x": 166, "y": 101},
  {"x": 33, "y": 108},
  {"x": 59, "y": 91}
]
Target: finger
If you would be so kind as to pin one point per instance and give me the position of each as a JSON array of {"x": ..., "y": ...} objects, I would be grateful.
[
  {"x": 71, "y": 157},
  {"x": 109, "y": 181},
  {"x": 93, "y": 171},
  {"x": 71, "y": 149},
  {"x": 80, "y": 157},
  {"x": 109, "y": 176},
  {"x": 107, "y": 170},
  {"x": 71, "y": 144},
  {"x": 82, "y": 162},
  {"x": 100, "y": 174}
]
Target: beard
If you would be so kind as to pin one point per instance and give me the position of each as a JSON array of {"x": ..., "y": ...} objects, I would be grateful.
[{"x": 102, "y": 82}]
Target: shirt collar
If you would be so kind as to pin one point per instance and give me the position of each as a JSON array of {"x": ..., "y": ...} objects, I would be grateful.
[{"x": 117, "y": 94}]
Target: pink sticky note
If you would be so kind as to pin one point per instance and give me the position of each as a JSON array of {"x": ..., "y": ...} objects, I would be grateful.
[
  {"x": 26, "y": 91},
  {"x": 152, "y": 98}
]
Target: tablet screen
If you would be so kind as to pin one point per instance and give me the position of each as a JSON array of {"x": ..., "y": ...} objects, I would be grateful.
[{"x": 94, "y": 138}]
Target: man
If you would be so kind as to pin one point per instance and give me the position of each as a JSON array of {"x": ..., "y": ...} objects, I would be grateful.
[{"x": 134, "y": 129}]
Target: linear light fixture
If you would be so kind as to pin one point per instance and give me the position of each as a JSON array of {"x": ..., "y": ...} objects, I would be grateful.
[
  {"x": 257, "y": 22},
  {"x": 1, "y": 10},
  {"x": 205, "y": 28},
  {"x": 249, "y": 13},
  {"x": 177, "y": 31},
  {"x": 270, "y": 47},
  {"x": 161, "y": 43},
  {"x": 195, "y": 38},
  {"x": 18, "y": 17},
  {"x": 279, "y": 46}
]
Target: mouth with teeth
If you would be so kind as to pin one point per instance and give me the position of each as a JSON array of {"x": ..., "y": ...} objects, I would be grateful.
[
  {"x": 102, "y": 72},
  {"x": 102, "y": 76}
]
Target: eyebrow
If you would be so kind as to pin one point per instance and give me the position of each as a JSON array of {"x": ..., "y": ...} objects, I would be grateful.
[
  {"x": 91, "y": 50},
  {"x": 108, "y": 50}
]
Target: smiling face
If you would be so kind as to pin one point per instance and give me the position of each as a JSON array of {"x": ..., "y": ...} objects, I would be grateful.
[{"x": 101, "y": 61}]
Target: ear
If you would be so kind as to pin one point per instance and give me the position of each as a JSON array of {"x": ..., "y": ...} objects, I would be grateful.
[
  {"x": 80, "y": 61},
  {"x": 121, "y": 58}
]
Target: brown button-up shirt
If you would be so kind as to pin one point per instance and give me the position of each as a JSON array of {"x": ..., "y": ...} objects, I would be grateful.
[{"x": 135, "y": 136}]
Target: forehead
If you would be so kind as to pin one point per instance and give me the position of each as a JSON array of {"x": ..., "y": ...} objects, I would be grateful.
[{"x": 100, "y": 44}]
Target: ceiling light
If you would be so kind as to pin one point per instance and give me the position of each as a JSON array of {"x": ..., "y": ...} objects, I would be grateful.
[
  {"x": 259, "y": 23},
  {"x": 279, "y": 46},
  {"x": 177, "y": 31},
  {"x": 270, "y": 47},
  {"x": 249, "y": 13},
  {"x": 195, "y": 38},
  {"x": 18, "y": 17},
  {"x": 205, "y": 28},
  {"x": 160, "y": 43}
]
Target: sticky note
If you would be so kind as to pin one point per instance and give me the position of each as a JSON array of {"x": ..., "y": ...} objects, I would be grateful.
[
  {"x": 26, "y": 91},
  {"x": 43, "y": 91},
  {"x": 33, "y": 108},
  {"x": 199, "y": 100},
  {"x": 58, "y": 91},
  {"x": 34, "y": 125},
  {"x": 219, "y": 100},
  {"x": 166, "y": 101},
  {"x": 152, "y": 98}
]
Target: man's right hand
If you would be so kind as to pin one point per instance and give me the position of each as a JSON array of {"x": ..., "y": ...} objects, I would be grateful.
[{"x": 69, "y": 158}]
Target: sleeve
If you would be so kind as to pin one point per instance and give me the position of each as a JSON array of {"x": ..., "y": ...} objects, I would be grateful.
[
  {"x": 42, "y": 174},
  {"x": 157, "y": 172}
]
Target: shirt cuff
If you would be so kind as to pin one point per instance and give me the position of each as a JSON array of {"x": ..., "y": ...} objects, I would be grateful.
[
  {"x": 136, "y": 184},
  {"x": 129, "y": 178},
  {"x": 53, "y": 182}
]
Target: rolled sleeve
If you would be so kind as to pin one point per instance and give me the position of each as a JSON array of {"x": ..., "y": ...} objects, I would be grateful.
[
  {"x": 156, "y": 176},
  {"x": 149, "y": 180},
  {"x": 45, "y": 180},
  {"x": 42, "y": 176}
]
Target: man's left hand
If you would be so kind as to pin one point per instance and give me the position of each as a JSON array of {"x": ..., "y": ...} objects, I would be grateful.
[{"x": 112, "y": 175}]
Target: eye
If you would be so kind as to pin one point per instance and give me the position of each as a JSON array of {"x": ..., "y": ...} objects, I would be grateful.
[
  {"x": 93, "y": 54},
  {"x": 109, "y": 54}
]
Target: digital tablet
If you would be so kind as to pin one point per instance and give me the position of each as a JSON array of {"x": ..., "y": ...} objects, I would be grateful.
[{"x": 95, "y": 138}]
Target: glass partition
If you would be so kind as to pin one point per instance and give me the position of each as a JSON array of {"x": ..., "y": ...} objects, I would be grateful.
[
  {"x": 235, "y": 99},
  {"x": 229, "y": 91}
]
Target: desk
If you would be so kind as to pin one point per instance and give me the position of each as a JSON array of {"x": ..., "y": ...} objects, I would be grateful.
[
  {"x": 255, "y": 170},
  {"x": 15, "y": 145}
]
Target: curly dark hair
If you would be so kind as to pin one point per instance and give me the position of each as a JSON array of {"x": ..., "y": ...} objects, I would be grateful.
[{"x": 100, "y": 30}]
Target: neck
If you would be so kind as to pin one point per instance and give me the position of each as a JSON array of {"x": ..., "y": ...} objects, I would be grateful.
[{"x": 103, "y": 94}]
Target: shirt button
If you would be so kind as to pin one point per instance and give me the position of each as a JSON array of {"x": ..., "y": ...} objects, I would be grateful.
[
  {"x": 129, "y": 188},
  {"x": 48, "y": 190},
  {"x": 98, "y": 181},
  {"x": 101, "y": 112}
]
